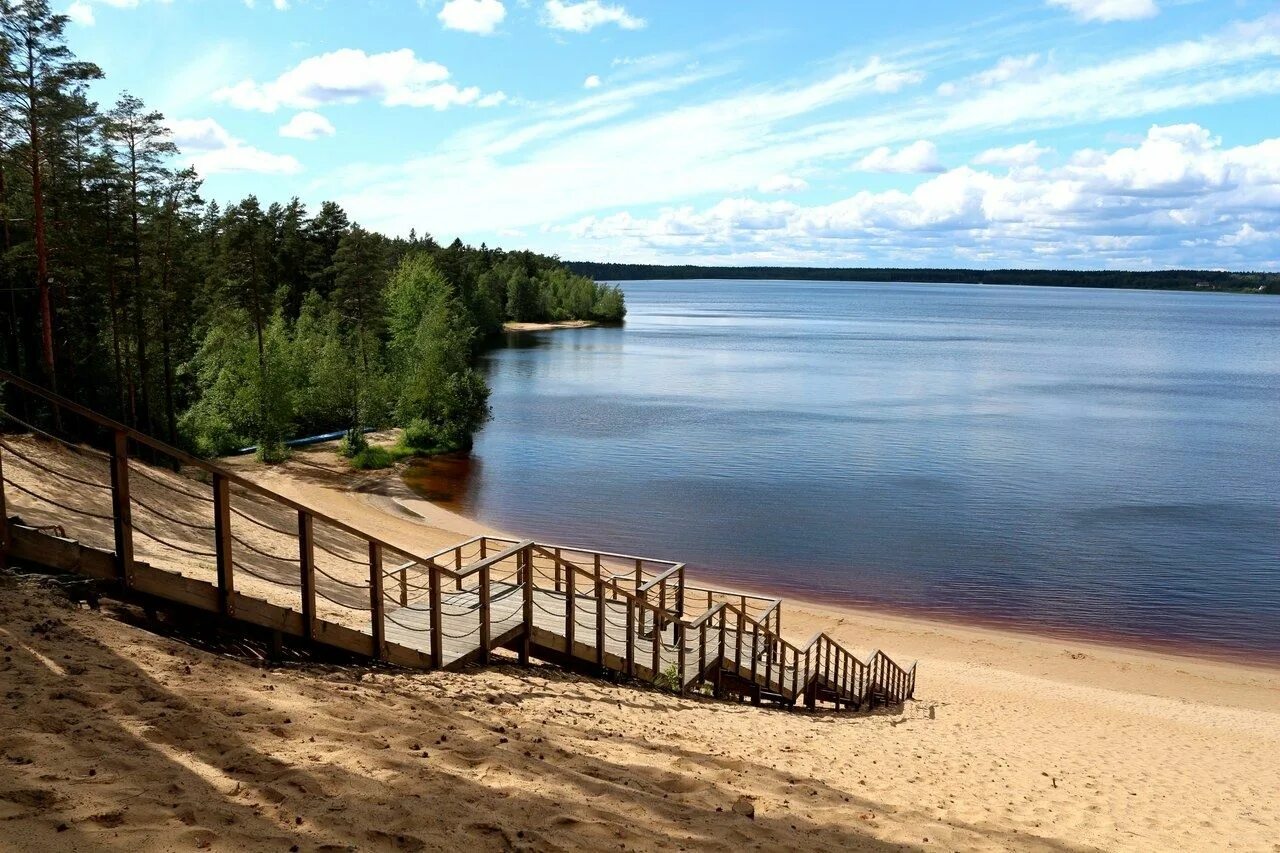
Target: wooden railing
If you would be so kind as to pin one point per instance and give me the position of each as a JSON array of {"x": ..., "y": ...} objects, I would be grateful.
[{"x": 187, "y": 529}]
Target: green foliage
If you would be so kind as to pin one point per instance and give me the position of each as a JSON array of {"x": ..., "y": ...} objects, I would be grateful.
[
  {"x": 353, "y": 443},
  {"x": 373, "y": 457},
  {"x": 442, "y": 399},
  {"x": 225, "y": 326},
  {"x": 247, "y": 386},
  {"x": 668, "y": 679}
]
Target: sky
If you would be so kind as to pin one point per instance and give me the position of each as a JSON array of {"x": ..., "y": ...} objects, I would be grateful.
[{"x": 1133, "y": 134}]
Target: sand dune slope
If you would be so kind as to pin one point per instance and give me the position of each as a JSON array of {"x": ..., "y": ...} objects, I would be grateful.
[{"x": 112, "y": 737}]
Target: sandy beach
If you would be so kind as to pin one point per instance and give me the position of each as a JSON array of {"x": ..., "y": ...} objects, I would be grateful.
[
  {"x": 513, "y": 326},
  {"x": 113, "y": 736}
]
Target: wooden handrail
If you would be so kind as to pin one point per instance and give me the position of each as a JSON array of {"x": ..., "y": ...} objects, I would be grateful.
[
  {"x": 697, "y": 623},
  {"x": 194, "y": 461},
  {"x": 675, "y": 568}
]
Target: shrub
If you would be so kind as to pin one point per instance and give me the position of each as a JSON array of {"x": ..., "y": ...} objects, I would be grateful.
[
  {"x": 353, "y": 443},
  {"x": 372, "y": 458},
  {"x": 422, "y": 437},
  {"x": 669, "y": 679}
]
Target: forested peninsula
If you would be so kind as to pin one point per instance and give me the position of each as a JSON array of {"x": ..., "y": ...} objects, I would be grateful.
[
  {"x": 218, "y": 326},
  {"x": 1251, "y": 282}
]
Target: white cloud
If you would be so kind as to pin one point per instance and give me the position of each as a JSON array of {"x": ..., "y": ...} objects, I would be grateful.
[
  {"x": 919, "y": 156},
  {"x": 592, "y": 82},
  {"x": 81, "y": 13},
  {"x": 472, "y": 16},
  {"x": 1008, "y": 68},
  {"x": 347, "y": 76},
  {"x": 623, "y": 147},
  {"x": 893, "y": 81},
  {"x": 586, "y": 15},
  {"x": 1109, "y": 10},
  {"x": 1177, "y": 198},
  {"x": 782, "y": 184},
  {"x": 213, "y": 150},
  {"x": 1026, "y": 154},
  {"x": 307, "y": 125}
]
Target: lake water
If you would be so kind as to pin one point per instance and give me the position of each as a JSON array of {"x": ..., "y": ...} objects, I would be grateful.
[{"x": 1087, "y": 462}]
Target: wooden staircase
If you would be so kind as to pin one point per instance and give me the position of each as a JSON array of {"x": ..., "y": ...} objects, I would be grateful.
[{"x": 183, "y": 531}]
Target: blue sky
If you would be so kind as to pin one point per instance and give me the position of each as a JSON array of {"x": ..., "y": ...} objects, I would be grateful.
[{"x": 1045, "y": 133}]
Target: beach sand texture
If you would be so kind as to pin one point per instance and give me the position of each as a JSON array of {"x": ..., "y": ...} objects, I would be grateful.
[{"x": 112, "y": 737}]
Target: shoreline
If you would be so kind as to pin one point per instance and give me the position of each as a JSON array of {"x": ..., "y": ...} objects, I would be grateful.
[
  {"x": 1011, "y": 741},
  {"x": 445, "y": 517},
  {"x": 903, "y": 634}
]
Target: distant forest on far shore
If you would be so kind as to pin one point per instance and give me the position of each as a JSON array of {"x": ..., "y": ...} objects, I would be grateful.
[{"x": 1240, "y": 282}]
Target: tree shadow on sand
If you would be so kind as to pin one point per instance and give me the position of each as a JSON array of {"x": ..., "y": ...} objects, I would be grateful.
[{"x": 98, "y": 753}]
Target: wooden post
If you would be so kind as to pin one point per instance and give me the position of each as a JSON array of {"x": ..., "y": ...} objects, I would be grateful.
[
  {"x": 437, "y": 616},
  {"x": 680, "y": 592},
  {"x": 222, "y": 544},
  {"x": 376, "y": 609},
  {"x": 657, "y": 647},
  {"x": 571, "y": 605},
  {"x": 795, "y": 669},
  {"x": 681, "y": 629},
  {"x": 830, "y": 671},
  {"x": 600, "y": 637},
  {"x": 557, "y": 562},
  {"x": 526, "y": 556},
  {"x": 722, "y": 621},
  {"x": 484, "y": 547},
  {"x": 755, "y": 639},
  {"x": 121, "y": 508},
  {"x": 631, "y": 637},
  {"x": 810, "y": 683},
  {"x": 768, "y": 658},
  {"x": 5, "y": 545},
  {"x": 737, "y": 650},
  {"x": 404, "y": 586},
  {"x": 307, "y": 571},
  {"x": 457, "y": 565},
  {"x": 702, "y": 651},
  {"x": 485, "y": 613},
  {"x": 639, "y": 574}
]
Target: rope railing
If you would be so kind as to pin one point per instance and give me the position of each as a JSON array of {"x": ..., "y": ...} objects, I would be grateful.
[
  {"x": 262, "y": 524},
  {"x": 160, "y": 482},
  {"x": 170, "y": 518},
  {"x": 339, "y": 581},
  {"x": 260, "y": 552},
  {"x": 78, "y": 448},
  {"x": 62, "y": 506},
  {"x": 51, "y": 470},
  {"x": 394, "y": 621},
  {"x": 462, "y": 636},
  {"x": 278, "y": 581},
  {"x": 137, "y": 528},
  {"x": 363, "y": 608}
]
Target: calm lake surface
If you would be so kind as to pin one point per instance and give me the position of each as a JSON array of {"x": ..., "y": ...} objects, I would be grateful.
[{"x": 1104, "y": 463}]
